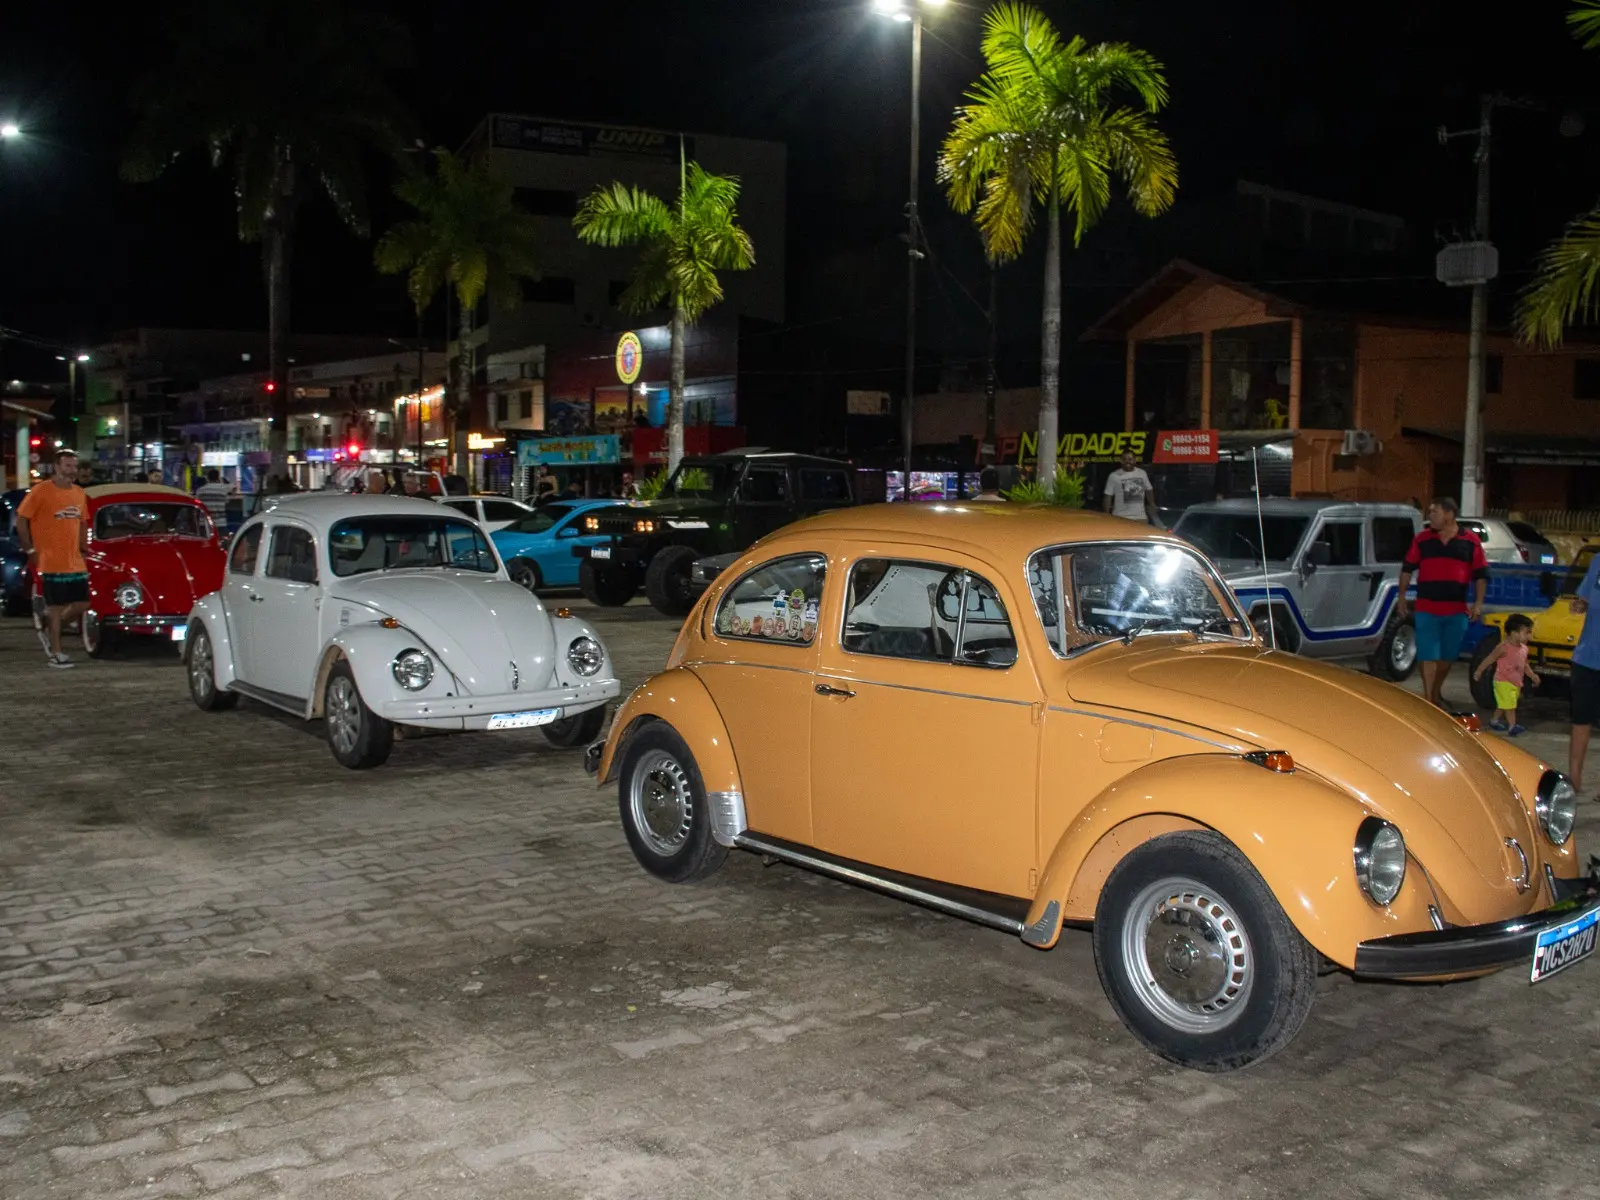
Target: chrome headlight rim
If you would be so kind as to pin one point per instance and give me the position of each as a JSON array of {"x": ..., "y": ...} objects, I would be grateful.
[
  {"x": 1555, "y": 804},
  {"x": 585, "y": 656},
  {"x": 412, "y": 668},
  {"x": 129, "y": 595},
  {"x": 1380, "y": 858}
]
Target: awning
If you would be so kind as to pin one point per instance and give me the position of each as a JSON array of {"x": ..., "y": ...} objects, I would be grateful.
[
  {"x": 1530, "y": 448},
  {"x": 37, "y": 414}
]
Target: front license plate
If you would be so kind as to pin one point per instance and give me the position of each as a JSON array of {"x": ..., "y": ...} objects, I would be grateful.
[
  {"x": 524, "y": 720},
  {"x": 179, "y": 632},
  {"x": 599, "y": 551},
  {"x": 1557, "y": 949}
]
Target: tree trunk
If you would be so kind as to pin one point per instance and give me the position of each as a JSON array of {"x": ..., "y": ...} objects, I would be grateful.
[
  {"x": 463, "y": 388},
  {"x": 1050, "y": 358},
  {"x": 675, "y": 394}
]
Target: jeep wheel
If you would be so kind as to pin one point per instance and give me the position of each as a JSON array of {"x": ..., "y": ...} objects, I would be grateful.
[
  {"x": 524, "y": 573},
  {"x": 664, "y": 809},
  {"x": 1396, "y": 655},
  {"x": 358, "y": 737},
  {"x": 1275, "y": 630},
  {"x": 608, "y": 587},
  {"x": 1197, "y": 956},
  {"x": 577, "y": 731},
  {"x": 1483, "y": 689},
  {"x": 668, "y": 578}
]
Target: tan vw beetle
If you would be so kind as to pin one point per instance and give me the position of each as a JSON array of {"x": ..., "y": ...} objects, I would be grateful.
[{"x": 1028, "y": 718}]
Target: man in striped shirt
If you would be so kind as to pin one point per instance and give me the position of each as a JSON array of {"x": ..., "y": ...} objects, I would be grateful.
[{"x": 1446, "y": 559}]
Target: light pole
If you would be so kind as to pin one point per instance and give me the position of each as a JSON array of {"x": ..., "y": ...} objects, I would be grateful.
[
  {"x": 10, "y": 131},
  {"x": 910, "y": 12},
  {"x": 72, "y": 361}
]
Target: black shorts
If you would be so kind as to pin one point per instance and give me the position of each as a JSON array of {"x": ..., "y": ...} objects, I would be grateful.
[
  {"x": 1585, "y": 695},
  {"x": 62, "y": 590}
]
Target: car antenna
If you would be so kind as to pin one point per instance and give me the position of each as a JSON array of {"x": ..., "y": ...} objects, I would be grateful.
[{"x": 1261, "y": 532}]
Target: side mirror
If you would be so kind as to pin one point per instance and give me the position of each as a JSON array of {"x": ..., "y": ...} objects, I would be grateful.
[
  {"x": 1317, "y": 555},
  {"x": 568, "y": 531}
]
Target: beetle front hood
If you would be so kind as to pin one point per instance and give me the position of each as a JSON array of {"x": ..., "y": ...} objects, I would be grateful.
[
  {"x": 478, "y": 625},
  {"x": 173, "y": 571},
  {"x": 1403, "y": 758}
]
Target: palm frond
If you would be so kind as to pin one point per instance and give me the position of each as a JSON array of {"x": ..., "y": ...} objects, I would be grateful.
[
  {"x": 1584, "y": 18},
  {"x": 1563, "y": 288},
  {"x": 620, "y": 215},
  {"x": 1141, "y": 156},
  {"x": 1018, "y": 41}
]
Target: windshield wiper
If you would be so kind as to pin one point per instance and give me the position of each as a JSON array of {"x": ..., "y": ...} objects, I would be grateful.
[{"x": 1158, "y": 625}]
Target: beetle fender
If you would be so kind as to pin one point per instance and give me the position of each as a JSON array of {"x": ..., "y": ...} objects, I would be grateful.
[
  {"x": 680, "y": 699},
  {"x": 208, "y": 611},
  {"x": 1296, "y": 830},
  {"x": 369, "y": 649}
]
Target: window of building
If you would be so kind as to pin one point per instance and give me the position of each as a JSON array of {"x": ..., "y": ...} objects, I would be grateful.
[
  {"x": 777, "y": 602},
  {"x": 547, "y": 202},
  {"x": 1327, "y": 375},
  {"x": 552, "y": 289},
  {"x": 1494, "y": 370},
  {"x": 502, "y": 408},
  {"x": 926, "y": 611},
  {"x": 1586, "y": 379}
]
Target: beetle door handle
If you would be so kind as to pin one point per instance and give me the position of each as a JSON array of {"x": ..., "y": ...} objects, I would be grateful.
[{"x": 824, "y": 690}]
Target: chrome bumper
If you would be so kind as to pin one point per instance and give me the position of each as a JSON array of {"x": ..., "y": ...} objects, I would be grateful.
[
  {"x": 140, "y": 621},
  {"x": 472, "y": 709},
  {"x": 1465, "y": 949}
]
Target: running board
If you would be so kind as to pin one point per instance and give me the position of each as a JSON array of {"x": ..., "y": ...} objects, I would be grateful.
[
  {"x": 289, "y": 704},
  {"x": 1007, "y": 913}
]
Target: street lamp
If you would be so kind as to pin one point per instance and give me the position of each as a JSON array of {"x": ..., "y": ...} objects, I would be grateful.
[
  {"x": 910, "y": 11},
  {"x": 10, "y": 130},
  {"x": 72, "y": 362}
]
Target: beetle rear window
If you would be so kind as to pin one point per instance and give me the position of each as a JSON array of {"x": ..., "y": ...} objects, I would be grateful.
[{"x": 777, "y": 602}]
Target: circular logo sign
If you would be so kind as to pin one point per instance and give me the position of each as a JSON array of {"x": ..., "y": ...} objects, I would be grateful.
[{"x": 630, "y": 357}]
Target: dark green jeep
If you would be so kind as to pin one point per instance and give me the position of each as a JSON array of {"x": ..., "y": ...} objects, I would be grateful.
[{"x": 711, "y": 505}]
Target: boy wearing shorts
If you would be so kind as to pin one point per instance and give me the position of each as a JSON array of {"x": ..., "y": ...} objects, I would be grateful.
[{"x": 1510, "y": 662}]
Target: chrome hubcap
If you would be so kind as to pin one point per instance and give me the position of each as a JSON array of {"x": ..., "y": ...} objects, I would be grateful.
[
  {"x": 201, "y": 679},
  {"x": 1188, "y": 956},
  {"x": 342, "y": 708},
  {"x": 91, "y": 632},
  {"x": 1404, "y": 650},
  {"x": 661, "y": 802}
]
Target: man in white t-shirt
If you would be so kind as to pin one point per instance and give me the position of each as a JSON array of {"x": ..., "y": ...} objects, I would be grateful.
[{"x": 1129, "y": 492}]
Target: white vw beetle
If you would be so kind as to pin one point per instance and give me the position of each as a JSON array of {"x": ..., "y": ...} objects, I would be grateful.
[{"x": 377, "y": 611}]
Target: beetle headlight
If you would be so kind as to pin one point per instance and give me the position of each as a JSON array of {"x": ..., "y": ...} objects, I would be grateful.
[
  {"x": 585, "y": 656},
  {"x": 129, "y": 595},
  {"x": 412, "y": 669},
  {"x": 1380, "y": 860},
  {"x": 1556, "y": 806}
]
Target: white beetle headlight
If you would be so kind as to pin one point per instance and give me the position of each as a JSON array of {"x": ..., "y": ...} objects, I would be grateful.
[
  {"x": 412, "y": 669},
  {"x": 1380, "y": 860},
  {"x": 129, "y": 595},
  {"x": 585, "y": 656}
]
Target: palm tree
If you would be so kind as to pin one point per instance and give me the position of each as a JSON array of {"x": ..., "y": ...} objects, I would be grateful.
[
  {"x": 1042, "y": 128},
  {"x": 1563, "y": 284},
  {"x": 468, "y": 234},
  {"x": 684, "y": 248},
  {"x": 289, "y": 96}
]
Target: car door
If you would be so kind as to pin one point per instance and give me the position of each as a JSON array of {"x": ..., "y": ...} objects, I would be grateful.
[
  {"x": 925, "y": 726},
  {"x": 763, "y": 502},
  {"x": 1334, "y": 596},
  {"x": 557, "y": 564},
  {"x": 1388, "y": 542},
  {"x": 239, "y": 599},
  {"x": 497, "y": 514},
  {"x": 288, "y": 611}
]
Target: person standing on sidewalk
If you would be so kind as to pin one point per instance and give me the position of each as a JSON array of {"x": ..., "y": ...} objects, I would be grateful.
[
  {"x": 1446, "y": 559},
  {"x": 1585, "y": 683},
  {"x": 53, "y": 527},
  {"x": 1129, "y": 492}
]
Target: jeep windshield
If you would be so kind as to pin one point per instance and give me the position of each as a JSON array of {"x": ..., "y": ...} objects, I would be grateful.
[
  {"x": 700, "y": 481},
  {"x": 357, "y": 545},
  {"x": 1222, "y": 535},
  {"x": 1088, "y": 595}
]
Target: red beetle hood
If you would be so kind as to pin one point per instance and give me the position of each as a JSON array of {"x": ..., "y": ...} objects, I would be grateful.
[{"x": 173, "y": 571}]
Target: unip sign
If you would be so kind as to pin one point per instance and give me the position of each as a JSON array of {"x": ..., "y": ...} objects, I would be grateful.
[{"x": 630, "y": 357}]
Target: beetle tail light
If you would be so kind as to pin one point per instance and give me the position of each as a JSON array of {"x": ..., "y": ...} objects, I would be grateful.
[{"x": 1280, "y": 761}]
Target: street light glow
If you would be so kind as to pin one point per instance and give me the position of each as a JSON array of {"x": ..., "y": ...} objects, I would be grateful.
[
  {"x": 83, "y": 358},
  {"x": 10, "y": 129}
]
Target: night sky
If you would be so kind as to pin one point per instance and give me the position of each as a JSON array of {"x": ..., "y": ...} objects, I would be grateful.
[{"x": 1336, "y": 101}]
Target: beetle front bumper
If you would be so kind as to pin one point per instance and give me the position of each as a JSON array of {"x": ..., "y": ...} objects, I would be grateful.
[
  {"x": 474, "y": 712},
  {"x": 1471, "y": 949}
]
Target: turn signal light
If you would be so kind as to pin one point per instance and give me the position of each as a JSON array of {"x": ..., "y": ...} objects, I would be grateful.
[
  {"x": 1470, "y": 722},
  {"x": 389, "y": 623},
  {"x": 1273, "y": 760},
  {"x": 563, "y": 612}
]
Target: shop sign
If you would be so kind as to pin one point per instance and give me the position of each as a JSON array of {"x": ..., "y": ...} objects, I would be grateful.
[
  {"x": 630, "y": 357},
  {"x": 594, "y": 450},
  {"x": 477, "y": 441},
  {"x": 1084, "y": 447},
  {"x": 1185, "y": 446},
  {"x": 600, "y": 141}
]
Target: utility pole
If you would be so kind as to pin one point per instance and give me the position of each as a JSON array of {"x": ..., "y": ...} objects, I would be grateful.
[
  {"x": 986, "y": 453},
  {"x": 907, "y": 422}
]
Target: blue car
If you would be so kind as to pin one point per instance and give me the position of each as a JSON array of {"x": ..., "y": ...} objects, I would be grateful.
[
  {"x": 13, "y": 562},
  {"x": 538, "y": 548}
]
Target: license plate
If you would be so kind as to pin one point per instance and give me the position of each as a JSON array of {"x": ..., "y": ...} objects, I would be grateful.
[
  {"x": 1557, "y": 949},
  {"x": 599, "y": 551},
  {"x": 179, "y": 632},
  {"x": 1547, "y": 558},
  {"x": 524, "y": 720}
]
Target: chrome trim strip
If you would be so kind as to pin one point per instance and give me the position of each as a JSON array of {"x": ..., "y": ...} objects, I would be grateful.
[
  {"x": 906, "y": 687},
  {"x": 736, "y": 662},
  {"x": 754, "y": 841},
  {"x": 727, "y": 816},
  {"x": 1230, "y": 747},
  {"x": 1525, "y": 881},
  {"x": 1434, "y": 917}
]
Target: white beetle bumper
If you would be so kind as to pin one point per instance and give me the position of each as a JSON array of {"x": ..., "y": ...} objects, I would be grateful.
[{"x": 473, "y": 712}]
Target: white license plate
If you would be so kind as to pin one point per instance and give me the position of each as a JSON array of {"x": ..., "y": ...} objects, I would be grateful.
[
  {"x": 599, "y": 551},
  {"x": 1547, "y": 558},
  {"x": 1557, "y": 949},
  {"x": 524, "y": 720},
  {"x": 179, "y": 632}
]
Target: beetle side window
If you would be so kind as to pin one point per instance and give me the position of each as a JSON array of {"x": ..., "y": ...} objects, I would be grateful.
[
  {"x": 242, "y": 558},
  {"x": 776, "y": 602},
  {"x": 926, "y": 611},
  {"x": 1391, "y": 538},
  {"x": 292, "y": 555}
]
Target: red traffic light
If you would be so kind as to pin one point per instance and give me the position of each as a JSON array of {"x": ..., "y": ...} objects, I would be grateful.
[
  {"x": 353, "y": 449},
  {"x": 270, "y": 386},
  {"x": 36, "y": 441}
]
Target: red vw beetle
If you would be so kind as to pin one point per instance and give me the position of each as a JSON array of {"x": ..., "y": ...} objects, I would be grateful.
[{"x": 153, "y": 551}]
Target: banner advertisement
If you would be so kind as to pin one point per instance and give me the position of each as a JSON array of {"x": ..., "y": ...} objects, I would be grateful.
[
  {"x": 1185, "y": 446},
  {"x": 595, "y": 450},
  {"x": 1084, "y": 447}
]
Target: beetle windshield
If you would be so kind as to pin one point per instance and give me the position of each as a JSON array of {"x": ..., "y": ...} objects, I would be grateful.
[
  {"x": 113, "y": 521},
  {"x": 1238, "y": 534},
  {"x": 360, "y": 544},
  {"x": 1093, "y": 593}
]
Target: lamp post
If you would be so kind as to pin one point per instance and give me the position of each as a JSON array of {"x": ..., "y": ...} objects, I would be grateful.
[
  {"x": 910, "y": 12},
  {"x": 72, "y": 361}
]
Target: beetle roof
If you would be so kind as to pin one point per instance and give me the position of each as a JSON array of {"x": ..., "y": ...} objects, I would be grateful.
[
  {"x": 324, "y": 508},
  {"x": 126, "y": 491},
  {"x": 1001, "y": 530}
]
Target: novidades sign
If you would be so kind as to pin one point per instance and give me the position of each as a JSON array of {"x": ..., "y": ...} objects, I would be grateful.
[{"x": 1085, "y": 447}]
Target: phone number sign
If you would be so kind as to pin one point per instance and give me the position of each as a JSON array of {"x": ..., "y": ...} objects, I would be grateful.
[{"x": 1185, "y": 446}]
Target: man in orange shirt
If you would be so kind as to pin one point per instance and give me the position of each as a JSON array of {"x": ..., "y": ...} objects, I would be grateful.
[{"x": 53, "y": 527}]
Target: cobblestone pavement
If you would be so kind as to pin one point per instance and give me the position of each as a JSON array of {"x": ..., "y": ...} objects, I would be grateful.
[{"x": 229, "y": 968}]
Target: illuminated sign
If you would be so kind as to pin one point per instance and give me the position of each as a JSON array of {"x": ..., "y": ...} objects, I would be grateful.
[
  {"x": 595, "y": 449},
  {"x": 630, "y": 357},
  {"x": 1186, "y": 446},
  {"x": 1084, "y": 447},
  {"x": 476, "y": 441}
]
